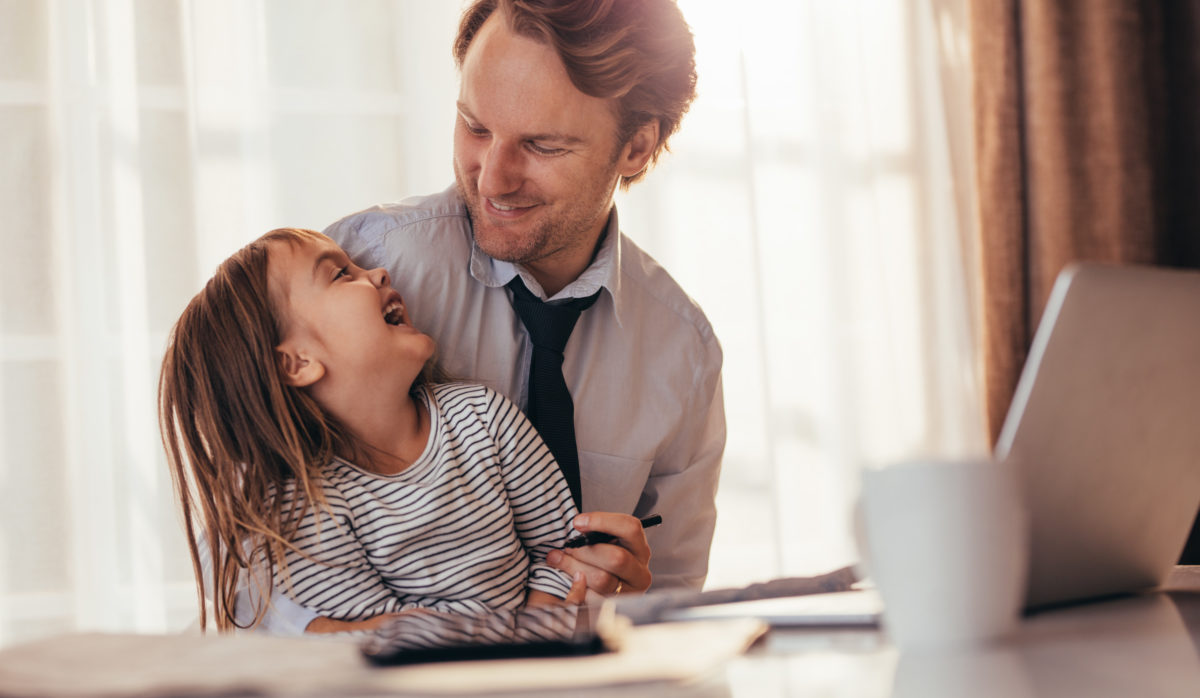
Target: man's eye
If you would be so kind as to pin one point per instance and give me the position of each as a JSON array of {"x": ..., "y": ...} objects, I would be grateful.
[
  {"x": 474, "y": 130},
  {"x": 543, "y": 150}
]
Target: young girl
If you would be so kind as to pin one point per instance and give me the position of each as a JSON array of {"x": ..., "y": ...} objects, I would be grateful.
[{"x": 308, "y": 440}]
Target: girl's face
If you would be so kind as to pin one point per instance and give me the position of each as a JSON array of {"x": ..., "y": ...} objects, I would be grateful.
[{"x": 346, "y": 319}]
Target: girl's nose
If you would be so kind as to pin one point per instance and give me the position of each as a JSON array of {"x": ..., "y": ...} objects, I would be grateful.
[{"x": 379, "y": 277}]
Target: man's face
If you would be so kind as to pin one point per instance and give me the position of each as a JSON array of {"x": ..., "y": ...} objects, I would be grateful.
[{"x": 535, "y": 159}]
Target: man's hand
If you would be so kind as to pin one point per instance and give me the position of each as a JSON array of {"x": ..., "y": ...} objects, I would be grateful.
[{"x": 619, "y": 567}]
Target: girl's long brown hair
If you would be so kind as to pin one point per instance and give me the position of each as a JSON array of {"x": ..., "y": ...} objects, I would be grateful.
[{"x": 235, "y": 433}]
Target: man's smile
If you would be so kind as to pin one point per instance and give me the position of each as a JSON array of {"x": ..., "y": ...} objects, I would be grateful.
[{"x": 505, "y": 210}]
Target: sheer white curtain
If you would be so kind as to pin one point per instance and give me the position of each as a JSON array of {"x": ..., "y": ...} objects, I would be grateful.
[
  {"x": 810, "y": 206},
  {"x": 817, "y": 204},
  {"x": 145, "y": 140}
]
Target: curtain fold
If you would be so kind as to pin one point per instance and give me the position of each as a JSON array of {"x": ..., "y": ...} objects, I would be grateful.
[{"x": 1086, "y": 145}]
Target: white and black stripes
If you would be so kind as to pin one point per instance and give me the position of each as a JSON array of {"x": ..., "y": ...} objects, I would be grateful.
[
  {"x": 537, "y": 631},
  {"x": 464, "y": 529}
]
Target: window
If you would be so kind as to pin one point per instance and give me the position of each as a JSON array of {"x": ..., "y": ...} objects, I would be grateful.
[{"x": 810, "y": 204}]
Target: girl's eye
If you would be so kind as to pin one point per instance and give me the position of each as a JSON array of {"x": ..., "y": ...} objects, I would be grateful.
[{"x": 340, "y": 273}]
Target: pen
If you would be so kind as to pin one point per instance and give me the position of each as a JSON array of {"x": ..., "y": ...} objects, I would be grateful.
[{"x": 594, "y": 537}]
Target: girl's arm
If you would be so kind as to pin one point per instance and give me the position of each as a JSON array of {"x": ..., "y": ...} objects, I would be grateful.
[
  {"x": 329, "y": 579},
  {"x": 321, "y": 624},
  {"x": 281, "y": 617},
  {"x": 577, "y": 595},
  {"x": 537, "y": 493}
]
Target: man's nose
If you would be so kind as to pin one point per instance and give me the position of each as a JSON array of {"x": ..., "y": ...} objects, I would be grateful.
[{"x": 500, "y": 170}]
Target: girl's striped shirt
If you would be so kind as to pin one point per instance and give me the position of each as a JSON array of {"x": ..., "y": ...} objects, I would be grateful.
[{"x": 464, "y": 529}]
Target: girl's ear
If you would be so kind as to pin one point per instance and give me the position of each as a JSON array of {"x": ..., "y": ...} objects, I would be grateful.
[{"x": 299, "y": 369}]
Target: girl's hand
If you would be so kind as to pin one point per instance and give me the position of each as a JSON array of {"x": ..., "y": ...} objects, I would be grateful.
[
  {"x": 321, "y": 624},
  {"x": 575, "y": 597}
]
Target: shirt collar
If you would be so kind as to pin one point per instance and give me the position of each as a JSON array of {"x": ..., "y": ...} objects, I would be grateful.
[{"x": 604, "y": 271}]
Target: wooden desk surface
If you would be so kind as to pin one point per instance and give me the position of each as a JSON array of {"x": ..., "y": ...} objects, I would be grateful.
[{"x": 1144, "y": 645}]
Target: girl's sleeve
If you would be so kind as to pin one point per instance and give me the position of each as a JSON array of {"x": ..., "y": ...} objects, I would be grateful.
[
  {"x": 329, "y": 573},
  {"x": 282, "y": 616},
  {"x": 541, "y": 503}
]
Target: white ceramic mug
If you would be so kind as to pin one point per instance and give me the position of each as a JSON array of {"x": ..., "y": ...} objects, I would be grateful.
[{"x": 946, "y": 543}]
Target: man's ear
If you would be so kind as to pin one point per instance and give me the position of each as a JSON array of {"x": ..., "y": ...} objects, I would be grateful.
[
  {"x": 635, "y": 154},
  {"x": 299, "y": 369}
]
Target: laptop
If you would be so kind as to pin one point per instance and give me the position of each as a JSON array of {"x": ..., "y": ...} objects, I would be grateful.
[{"x": 1104, "y": 431}]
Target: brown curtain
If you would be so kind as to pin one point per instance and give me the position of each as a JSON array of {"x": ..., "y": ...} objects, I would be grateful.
[{"x": 1087, "y": 115}]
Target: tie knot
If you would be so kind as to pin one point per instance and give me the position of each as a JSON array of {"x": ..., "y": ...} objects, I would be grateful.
[{"x": 549, "y": 324}]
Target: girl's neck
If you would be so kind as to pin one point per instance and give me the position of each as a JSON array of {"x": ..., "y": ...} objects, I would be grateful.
[{"x": 388, "y": 440}]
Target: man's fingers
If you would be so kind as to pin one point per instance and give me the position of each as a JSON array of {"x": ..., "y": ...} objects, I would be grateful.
[
  {"x": 622, "y": 566},
  {"x": 608, "y": 568},
  {"x": 626, "y": 528},
  {"x": 597, "y": 579},
  {"x": 578, "y": 593}
]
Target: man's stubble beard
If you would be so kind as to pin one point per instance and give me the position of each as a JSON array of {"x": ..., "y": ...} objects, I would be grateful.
[
  {"x": 552, "y": 234},
  {"x": 524, "y": 253}
]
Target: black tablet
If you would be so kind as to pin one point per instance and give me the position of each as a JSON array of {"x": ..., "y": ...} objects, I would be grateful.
[{"x": 540, "y": 631}]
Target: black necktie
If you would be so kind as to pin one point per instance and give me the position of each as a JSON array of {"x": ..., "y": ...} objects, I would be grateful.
[{"x": 550, "y": 407}]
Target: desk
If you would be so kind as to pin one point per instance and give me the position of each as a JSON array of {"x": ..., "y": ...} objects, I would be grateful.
[{"x": 1145, "y": 645}]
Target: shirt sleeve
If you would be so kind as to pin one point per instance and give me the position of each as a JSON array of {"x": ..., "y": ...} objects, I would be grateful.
[
  {"x": 281, "y": 617},
  {"x": 537, "y": 493},
  {"x": 329, "y": 573},
  {"x": 682, "y": 486}
]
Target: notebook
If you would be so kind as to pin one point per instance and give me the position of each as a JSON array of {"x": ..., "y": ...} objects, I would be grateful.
[
  {"x": 1104, "y": 431},
  {"x": 854, "y": 608}
]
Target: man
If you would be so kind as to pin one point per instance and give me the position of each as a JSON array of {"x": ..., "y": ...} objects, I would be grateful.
[{"x": 560, "y": 102}]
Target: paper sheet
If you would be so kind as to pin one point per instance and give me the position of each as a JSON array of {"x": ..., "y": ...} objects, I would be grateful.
[{"x": 161, "y": 665}]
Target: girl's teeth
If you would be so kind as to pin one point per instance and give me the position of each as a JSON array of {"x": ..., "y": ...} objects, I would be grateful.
[{"x": 394, "y": 314}]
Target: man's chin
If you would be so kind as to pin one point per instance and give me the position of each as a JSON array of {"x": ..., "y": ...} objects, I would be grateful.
[
  {"x": 494, "y": 244},
  {"x": 506, "y": 241}
]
